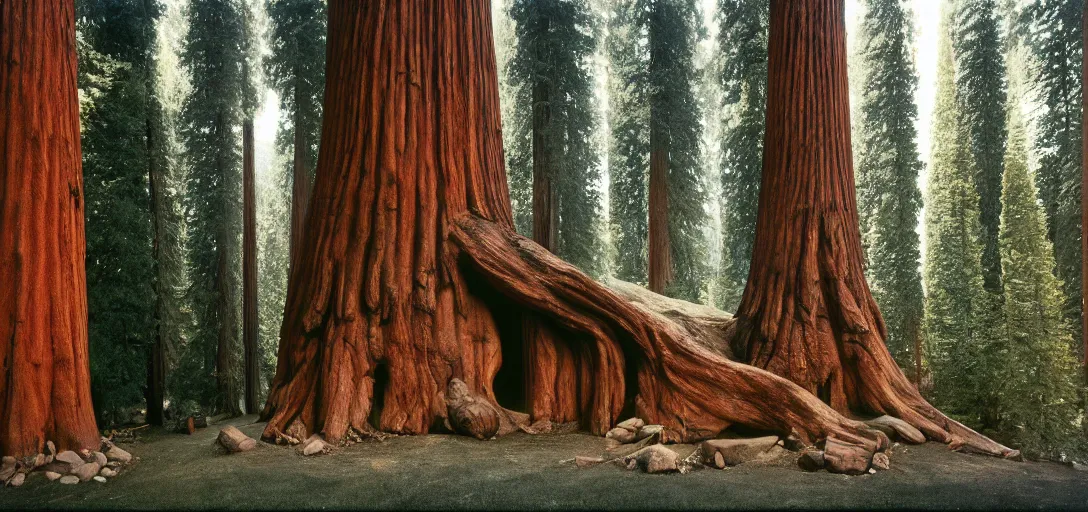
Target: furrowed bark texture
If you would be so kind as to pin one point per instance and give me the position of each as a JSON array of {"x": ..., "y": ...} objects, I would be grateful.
[
  {"x": 807, "y": 313},
  {"x": 44, "y": 369},
  {"x": 249, "y": 272},
  {"x": 411, "y": 139},
  {"x": 300, "y": 185}
]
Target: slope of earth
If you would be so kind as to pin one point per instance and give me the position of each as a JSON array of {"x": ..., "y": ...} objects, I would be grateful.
[{"x": 531, "y": 472}]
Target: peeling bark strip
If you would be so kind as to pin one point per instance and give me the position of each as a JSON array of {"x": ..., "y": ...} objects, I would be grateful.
[
  {"x": 411, "y": 139},
  {"x": 44, "y": 370},
  {"x": 807, "y": 313}
]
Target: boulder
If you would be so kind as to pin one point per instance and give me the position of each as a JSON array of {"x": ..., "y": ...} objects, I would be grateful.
[
  {"x": 896, "y": 428},
  {"x": 654, "y": 459},
  {"x": 52, "y": 475},
  {"x": 632, "y": 424},
  {"x": 71, "y": 458},
  {"x": 811, "y": 460},
  {"x": 621, "y": 435},
  {"x": 314, "y": 445},
  {"x": 846, "y": 458},
  {"x": 736, "y": 451},
  {"x": 118, "y": 455},
  {"x": 69, "y": 479},
  {"x": 100, "y": 458},
  {"x": 86, "y": 471}
]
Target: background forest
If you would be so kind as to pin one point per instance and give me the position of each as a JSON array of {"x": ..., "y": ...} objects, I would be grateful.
[{"x": 638, "y": 119}]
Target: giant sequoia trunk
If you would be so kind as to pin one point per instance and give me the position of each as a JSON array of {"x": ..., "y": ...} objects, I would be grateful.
[
  {"x": 412, "y": 274},
  {"x": 45, "y": 385},
  {"x": 807, "y": 313}
]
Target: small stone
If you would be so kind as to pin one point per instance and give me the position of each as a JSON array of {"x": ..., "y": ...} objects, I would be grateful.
[
  {"x": 71, "y": 458},
  {"x": 107, "y": 472},
  {"x": 86, "y": 471},
  {"x": 39, "y": 460},
  {"x": 719, "y": 460},
  {"x": 100, "y": 479},
  {"x": 872, "y": 471},
  {"x": 811, "y": 460},
  {"x": 50, "y": 448},
  {"x": 117, "y": 454},
  {"x": 314, "y": 445},
  {"x": 100, "y": 458},
  {"x": 585, "y": 462},
  {"x": 880, "y": 461},
  {"x": 632, "y": 424},
  {"x": 7, "y": 468},
  {"x": 52, "y": 475},
  {"x": 655, "y": 459},
  {"x": 649, "y": 431},
  {"x": 17, "y": 480},
  {"x": 737, "y": 451},
  {"x": 69, "y": 479},
  {"x": 621, "y": 434}
]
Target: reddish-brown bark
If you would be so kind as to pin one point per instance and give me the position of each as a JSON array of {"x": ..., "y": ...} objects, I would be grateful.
[
  {"x": 249, "y": 272},
  {"x": 300, "y": 185},
  {"x": 44, "y": 369},
  {"x": 807, "y": 313},
  {"x": 660, "y": 264}
]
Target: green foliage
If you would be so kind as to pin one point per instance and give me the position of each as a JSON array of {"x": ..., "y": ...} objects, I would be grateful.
[
  {"x": 743, "y": 45},
  {"x": 1039, "y": 380},
  {"x": 295, "y": 68},
  {"x": 652, "y": 47},
  {"x": 555, "y": 41},
  {"x": 961, "y": 321},
  {"x": 980, "y": 86},
  {"x": 1054, "y": 34},
  {"x": 887, "y": 167},
  {"x": 215, "y": 54}
]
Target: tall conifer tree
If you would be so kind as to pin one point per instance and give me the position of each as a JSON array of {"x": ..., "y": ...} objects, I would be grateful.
[
  {"x": 555, "y": 120},
  {"x": 742, "y": 40},
  {"x": 889, "y": 200}
]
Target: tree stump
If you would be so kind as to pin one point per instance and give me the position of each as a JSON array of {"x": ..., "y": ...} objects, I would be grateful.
[{"x": 235, "y": 441}]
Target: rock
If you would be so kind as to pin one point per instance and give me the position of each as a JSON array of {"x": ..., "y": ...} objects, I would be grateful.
[
  {"x": 880, "y": 461},
  {"x": 632, "y": 424},
  {"x": 235, "y": 441},
  {"x": 52, "y": 475},
  {"x": 736, "y": 451},
  {"x": 39, "y": 460},
  {"x": 719, "y": 460},
  {"x": 621, "y": 434},
  {"x": 872, "y": 471},
  {"x": 811, "y": 460},
  {"x": 86, "y": 471},
  {"x": 69, "y": 479},
  {"x": 100, "y": 458},
  {"x": 100, "y": 479},
  {"x": 846, "y": 458},
  {"x": 71, "y": 458},
  {"x": 655, "y": 459},
  {"x": 314, "y": 445},
  {"x": 470, "y": 414},
  {"x": 118, "y": 455},
  {"x": 107, "y": 472},
  {"x": 17, "y": 480},
  {"x": 650, "y": 431},
  {"x": 585, "y": 462},
  {"x": 897, "y": 428},
  {"x": 7, "y": 468},
  {"x": 50, "y": 448},
  {"x": 1080, "y": 467}
]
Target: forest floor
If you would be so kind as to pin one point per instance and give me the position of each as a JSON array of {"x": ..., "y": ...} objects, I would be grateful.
[{"x": 520, "y": 471}]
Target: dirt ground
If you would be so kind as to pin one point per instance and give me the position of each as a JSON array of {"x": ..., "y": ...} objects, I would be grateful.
[{"x": 532, "y": 472}]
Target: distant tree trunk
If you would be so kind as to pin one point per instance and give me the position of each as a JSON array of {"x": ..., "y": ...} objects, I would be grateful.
[
  {"x": 250, "y": 324},
  {"x": 659, "y": 257},
  {"x": 226, "y": 310},
  {"x": 545, "y": 209},
  {"x": 807, "y": 313},
  {"x": 1084, "y": 196},
  {"x": 156, "y": 360},
  {"x": 301, "y": 186},
  {"x": 45, "y": 386}
]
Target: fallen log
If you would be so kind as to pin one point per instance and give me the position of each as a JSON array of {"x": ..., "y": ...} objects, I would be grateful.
[{"x": 234, "y": 441}]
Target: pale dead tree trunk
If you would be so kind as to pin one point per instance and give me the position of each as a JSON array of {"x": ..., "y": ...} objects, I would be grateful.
[
  {"x": 45, "y": 383},
  {"x": 807, "y": 313}
]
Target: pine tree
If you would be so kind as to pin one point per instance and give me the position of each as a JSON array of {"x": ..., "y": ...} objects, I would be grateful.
[
  {"x": 743, "y": 43},
  {"x": 980, "y": 86},
  {"x": 889, "y": 200},
  {"x": 1039, "y": 378},
  {"x": 655, "y": 115},
  {"x": 959, "y": 313},
  {"x": 1055, "y": 37},
  {"x": 214, "y": 52},
  {"x": 554, "y": 102}
]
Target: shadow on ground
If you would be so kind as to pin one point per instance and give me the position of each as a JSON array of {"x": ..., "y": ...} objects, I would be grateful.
[{"x": 521, "y": 471}]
